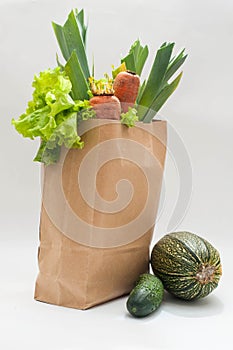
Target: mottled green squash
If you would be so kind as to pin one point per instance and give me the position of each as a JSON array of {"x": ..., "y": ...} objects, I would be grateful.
[
  {"x": 187, "y": 264},
  {"x": 146, "y": 296}
]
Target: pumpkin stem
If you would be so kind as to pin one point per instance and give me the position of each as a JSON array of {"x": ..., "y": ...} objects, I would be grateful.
[{"x": 206, "y": 274}]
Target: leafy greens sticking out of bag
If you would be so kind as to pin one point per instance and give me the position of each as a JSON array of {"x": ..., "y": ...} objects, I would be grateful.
[
  {"x": 64, "y": 95},
  {"x": 52, "y": 115}
]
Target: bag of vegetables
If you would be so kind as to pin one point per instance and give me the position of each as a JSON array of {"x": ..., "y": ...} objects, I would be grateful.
[{"x": 102, "y": 155}]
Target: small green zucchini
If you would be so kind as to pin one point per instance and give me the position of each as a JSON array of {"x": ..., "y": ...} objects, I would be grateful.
[
  {"x": 146, "y": 296},
  {"x": 187, "y": 264}
]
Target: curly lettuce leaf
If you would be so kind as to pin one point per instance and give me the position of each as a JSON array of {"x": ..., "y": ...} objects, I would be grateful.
[
  {"x": 46, "y": 155},
  {"x": 50, "y": 97},
  {"x": 129, "y": 118},
  {"x": 52, "y": 115},
  {"x": 47, "y": 83},
  {"x": 35, "y": 124},
  {"x": 65, "y": 134}
]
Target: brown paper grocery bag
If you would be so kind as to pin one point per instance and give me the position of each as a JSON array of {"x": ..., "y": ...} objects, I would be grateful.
[{"x": 99, "y": 207}]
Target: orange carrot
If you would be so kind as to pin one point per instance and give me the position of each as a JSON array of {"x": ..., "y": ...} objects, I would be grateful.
[
  {"x": 106, "y": 106},
  {"x": 104, "y": 103},
  {"x": 126, "y": 86}
]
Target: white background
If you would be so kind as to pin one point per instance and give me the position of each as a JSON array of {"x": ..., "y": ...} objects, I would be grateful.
[{"x": 201, "y": 113}]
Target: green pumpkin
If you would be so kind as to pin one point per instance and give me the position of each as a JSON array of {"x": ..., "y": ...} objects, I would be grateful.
[
  {"x": 146, "y": 296},
  {"x": 188, "y": 265}
]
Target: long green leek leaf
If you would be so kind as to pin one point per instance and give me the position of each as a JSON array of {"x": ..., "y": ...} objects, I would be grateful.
[
  {"x": 136, "y": 58},
  {"x": 156, "y": 78},
  {"x": 141, "y": 60},
  {"x": 70, "y": 39},
  {"x": 129, "y": 62},
  {"x": 75, "y": 42},
  {"x": 141, "y": 89},
  {"x": 161, "y": 99},
  {"x": 82, "y": 26},
  {"x": 61, "y": 40},
  {"x": 79, "y": 83},
  {"x": 174, "y": 65}
]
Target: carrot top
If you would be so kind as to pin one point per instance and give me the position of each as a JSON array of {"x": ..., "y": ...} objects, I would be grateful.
[{"x": 102, "y": 86}]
